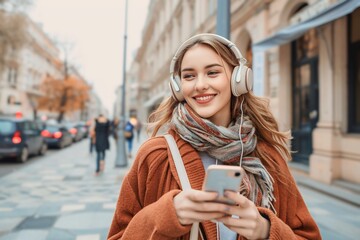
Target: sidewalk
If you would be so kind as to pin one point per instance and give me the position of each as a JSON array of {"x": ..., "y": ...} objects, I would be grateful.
[
  {"x": 58, "y": 197},
  {"x": 342, "y": 190}
]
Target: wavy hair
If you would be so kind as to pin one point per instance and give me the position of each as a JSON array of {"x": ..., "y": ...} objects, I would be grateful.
[{"x": 257, "y": 108}]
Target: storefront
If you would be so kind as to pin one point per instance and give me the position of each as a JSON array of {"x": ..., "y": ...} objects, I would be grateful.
[{"x": 317, "y": 81}]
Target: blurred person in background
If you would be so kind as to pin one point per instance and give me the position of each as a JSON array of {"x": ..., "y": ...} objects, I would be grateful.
[
  {"x": 102, "y": 130},
  {"x": 129, "y": 134}
]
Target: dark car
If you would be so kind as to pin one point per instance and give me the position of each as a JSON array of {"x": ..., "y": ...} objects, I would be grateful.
[
  {"x": 20, "y": 138},
  {"x": 74, "y": 131},
  {"x": 83, "y": 129},
  {"x": 57, "y": 135}
]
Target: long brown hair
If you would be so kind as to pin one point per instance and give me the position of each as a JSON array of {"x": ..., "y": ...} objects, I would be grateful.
[{"x": 257, "y": 108}]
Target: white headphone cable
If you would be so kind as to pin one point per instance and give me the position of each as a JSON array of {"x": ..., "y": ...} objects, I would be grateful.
[{"x": 241, "y": 123}]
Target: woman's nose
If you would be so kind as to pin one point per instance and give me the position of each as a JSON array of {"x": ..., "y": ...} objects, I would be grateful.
[{"x": 201, "y": 83}]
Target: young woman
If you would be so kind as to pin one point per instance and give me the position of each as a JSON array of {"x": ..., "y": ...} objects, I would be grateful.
[{"x": 215, "y": 119}]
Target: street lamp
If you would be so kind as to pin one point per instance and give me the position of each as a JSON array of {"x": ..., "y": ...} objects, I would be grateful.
[{"x": 121, "y": 158}]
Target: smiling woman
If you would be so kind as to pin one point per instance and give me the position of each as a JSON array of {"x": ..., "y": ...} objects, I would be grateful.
[{"x": 215, "y": 119}]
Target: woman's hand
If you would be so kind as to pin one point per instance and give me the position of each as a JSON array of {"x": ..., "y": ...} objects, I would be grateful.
[
  {"x": 196, "y": 206},
  {"x": 250, "y": 223}
]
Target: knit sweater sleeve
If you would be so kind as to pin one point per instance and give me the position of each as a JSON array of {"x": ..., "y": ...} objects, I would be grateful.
[
  {"x": 137, "y": 217},
  {"x": 293, "y": 219}
]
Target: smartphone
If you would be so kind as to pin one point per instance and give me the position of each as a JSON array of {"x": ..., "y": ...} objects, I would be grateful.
[{"x": 221, "y": 178}]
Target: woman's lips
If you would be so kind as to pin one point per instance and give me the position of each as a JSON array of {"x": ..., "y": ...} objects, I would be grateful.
[{"x": 203, "y": 99}]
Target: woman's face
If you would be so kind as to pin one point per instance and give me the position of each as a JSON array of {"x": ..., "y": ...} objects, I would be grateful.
[{"x": 205, "y": 84}]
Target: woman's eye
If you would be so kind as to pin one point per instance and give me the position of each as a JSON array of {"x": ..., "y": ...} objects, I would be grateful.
[
  {"x": 187, "y": 76},
  {"x": 212, "y": 73}
]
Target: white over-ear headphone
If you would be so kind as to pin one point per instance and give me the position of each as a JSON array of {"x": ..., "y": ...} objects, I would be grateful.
[{"x": 241, "y": 77}]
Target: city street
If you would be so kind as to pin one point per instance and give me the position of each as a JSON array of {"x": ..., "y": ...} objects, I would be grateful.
[{"x": 58, "y": 197}]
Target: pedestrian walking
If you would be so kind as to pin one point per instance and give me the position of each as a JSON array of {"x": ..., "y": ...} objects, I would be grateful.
[
  {"x": 215, "y": 119},
  {"x": 102, "y": 129},
  {"x": 129, "y": 136}
]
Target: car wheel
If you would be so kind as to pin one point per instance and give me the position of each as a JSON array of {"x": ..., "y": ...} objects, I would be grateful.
[
  {"x": 43, "y": 149},
  {"x": 24, "y": 155}
]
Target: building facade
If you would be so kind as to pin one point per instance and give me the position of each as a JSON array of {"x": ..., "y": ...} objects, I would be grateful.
[
  {"x": 22, "y": 76},
  {"x": 306, "y": 60},
  {"x": 21, "y": 79}
]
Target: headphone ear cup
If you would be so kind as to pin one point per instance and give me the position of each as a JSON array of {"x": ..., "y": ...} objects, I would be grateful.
[
  {"x": 233, "y": 82},
  {"x": 241, "y": 80},
  {"x": 176, "y": 89}
]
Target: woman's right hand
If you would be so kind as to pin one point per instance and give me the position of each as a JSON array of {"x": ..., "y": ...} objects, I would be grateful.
[{"x": 197, "y": 206}]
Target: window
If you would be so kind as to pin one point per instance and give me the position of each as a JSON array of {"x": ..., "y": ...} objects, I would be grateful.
[
  {"x": 11, "y": 100},
  {"x": 305, "y": 89},
  {"x": 12, "y": 76},
  {"x": 308, "y": 45},
  {"x": 354, "y": 71},
  {"x": 6, "y": 127}
]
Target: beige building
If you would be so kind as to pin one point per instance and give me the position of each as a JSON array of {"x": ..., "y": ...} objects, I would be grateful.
[
  {"x": 306, "y": 59},
  {"x": 23, "y": 74}
]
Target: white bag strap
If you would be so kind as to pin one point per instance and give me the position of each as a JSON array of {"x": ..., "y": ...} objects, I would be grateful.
[
  {"x": 184, "y": 180},
  {"x": 180, "y": 168}
]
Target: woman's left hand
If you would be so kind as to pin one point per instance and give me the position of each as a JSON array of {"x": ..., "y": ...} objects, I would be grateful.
[{"x": 250, "y": 223}]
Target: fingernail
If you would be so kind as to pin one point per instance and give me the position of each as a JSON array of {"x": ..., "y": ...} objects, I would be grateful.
[{"x": 214, "y": 221}]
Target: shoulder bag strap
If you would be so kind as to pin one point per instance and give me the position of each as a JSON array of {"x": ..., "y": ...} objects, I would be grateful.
[{"x": 184, "y": 180}]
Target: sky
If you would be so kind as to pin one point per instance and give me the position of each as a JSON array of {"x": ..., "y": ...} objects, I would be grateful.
[{"x": 92, "y": 32}]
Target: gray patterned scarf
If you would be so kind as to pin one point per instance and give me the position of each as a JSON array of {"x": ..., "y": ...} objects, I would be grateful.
[{"x": 224, "y": 145}]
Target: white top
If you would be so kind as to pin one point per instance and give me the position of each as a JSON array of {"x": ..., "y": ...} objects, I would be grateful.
[{"x": 225, "y": 233}]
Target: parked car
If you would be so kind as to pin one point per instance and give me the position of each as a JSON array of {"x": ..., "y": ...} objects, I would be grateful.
[
  {"x": 83, "y": 129},
  {"x": 57, "y": 135},
  {"x": 74, "y": 131},
  {"x": 20, "y": 138}
]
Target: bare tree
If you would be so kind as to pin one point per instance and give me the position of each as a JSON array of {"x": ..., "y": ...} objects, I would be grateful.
[{"x": 12, "y": 29}]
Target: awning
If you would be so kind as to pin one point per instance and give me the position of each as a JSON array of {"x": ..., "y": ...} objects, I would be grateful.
[{"x": 294, "y": 31}]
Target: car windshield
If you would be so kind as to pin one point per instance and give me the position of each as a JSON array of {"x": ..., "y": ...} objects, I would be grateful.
[
  {"x": 52, "y": 128},
  {"x": 6, "y": 127}
]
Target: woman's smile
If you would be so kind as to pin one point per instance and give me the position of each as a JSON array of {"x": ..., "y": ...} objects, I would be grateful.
[{"x": 204, "y": 98}]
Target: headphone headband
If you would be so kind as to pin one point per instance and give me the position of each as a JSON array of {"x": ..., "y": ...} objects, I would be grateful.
[{"x": 195, "y": 38}]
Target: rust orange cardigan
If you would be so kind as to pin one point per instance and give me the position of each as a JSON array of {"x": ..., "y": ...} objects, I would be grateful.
[{"x": 145, "y": 207}]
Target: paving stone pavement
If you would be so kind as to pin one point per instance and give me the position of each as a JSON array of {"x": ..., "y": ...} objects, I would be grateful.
[
  {"x": 336, "y": 219},
  {"x": 59, "y": 198}
]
